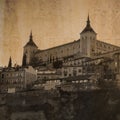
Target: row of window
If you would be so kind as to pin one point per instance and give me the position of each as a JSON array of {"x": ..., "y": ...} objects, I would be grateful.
[
  {"x": 46, "y": 77},
  {"x": 62, "y": 51},
  {"x": 105, "y": 46},
  {"x": 5, "y": 75},
  {"x": 75, "y": 72},
  {"x": 91, "y": 38},
  {"x": 74, "y": 63},
  {"x": 74, "y": 69},
  {"x": 12, "y": 81}
]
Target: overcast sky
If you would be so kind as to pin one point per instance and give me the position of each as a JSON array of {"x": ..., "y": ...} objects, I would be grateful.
[{"x": 54, "y": 22}]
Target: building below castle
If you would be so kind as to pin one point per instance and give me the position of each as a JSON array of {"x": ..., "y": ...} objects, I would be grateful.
[{"x": 17, "y": 78}]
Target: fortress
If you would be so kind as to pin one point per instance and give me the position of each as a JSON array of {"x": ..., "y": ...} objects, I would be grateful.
[
  {"x": 86, "y": 46},
  {"x": 86, "y": 61}
]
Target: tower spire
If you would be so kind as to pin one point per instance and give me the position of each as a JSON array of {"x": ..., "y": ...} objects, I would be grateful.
[
  {"x": 31, "y": 37},
  {"x": 31, "y": 42},
  {"x": 88, "y": 26},
  {"x": 88, "y": 20}
]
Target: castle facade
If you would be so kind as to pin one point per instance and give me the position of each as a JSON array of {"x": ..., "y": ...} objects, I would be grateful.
[{"x": 86, "y": 46}]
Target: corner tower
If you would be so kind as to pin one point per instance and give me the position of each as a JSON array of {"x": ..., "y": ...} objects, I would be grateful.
[
  {"x": 88, "y": 40},
  {"x": 29, "y": 50}
]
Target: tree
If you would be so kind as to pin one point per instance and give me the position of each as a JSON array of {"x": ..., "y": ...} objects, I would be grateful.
[
  {"x": 35, "y": 61},
  {"x": 24, "y": 60},
  {"x": 57, "y": 64},
  {"x": 10, "y": 63}
]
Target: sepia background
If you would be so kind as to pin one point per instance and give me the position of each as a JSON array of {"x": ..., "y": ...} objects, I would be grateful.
[{"x": 54, "y": 22}]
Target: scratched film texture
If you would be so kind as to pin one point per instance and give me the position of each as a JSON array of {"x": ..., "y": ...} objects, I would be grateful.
[{"x": 54, "y": 22}]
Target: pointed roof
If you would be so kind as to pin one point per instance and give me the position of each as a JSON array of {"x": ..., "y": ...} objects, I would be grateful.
[
  {"x": 31, "y": 42},
  {"x": 88, "y": 27}
]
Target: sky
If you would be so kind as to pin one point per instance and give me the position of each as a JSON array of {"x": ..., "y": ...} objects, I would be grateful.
[{"x": 54, "y": 22}]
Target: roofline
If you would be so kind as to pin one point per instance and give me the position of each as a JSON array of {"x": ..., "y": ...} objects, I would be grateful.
[
  {"x": 88, "y": 31},
  {"x": 108, "y": 43},
  {"x": 58, "y": 46}
]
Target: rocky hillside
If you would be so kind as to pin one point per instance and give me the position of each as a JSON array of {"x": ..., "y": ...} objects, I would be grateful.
[{"x": 41, "y": 105}]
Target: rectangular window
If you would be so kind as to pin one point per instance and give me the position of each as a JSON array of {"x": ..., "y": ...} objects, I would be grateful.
[
  {"x": 2, "y": 75},
  {"x": 79, "y": 70},
  {"x": 69, "y": 74},
  {"x": 16, "y": 74},
  {"x": 65, "y": 73},
  {"x": 74, "y": 72}
]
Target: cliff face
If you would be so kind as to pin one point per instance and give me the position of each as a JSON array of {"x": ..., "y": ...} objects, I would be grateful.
[{"x": 91, "y": 105}]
